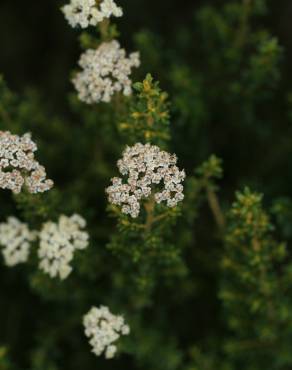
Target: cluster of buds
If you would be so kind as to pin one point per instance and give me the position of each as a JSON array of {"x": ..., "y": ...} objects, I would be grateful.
[
  {"x": 146, "y": 167},
  {"x": 18, "y": 166},
  {"x": 15, "y": 238},
  {"x": 84, "y": 13},
  {"x": 58, "y": 242},
  {"x": 105, "y": 71},
  {"x": 103, "y": 328}
]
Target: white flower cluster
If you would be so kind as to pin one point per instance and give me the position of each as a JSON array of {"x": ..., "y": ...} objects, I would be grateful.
[
  {"x": 146, "y": 165},
  {"x": 106, "y": 70},
  {"x": 103, "y": 328},
  {"x": 16, "y": 239},
  {"x": 58, "y": 242},
  {"x": 18, "y": 166},
  {"x": 86, "y": 13}
]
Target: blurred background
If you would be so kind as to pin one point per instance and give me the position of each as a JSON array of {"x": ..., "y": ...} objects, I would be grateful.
[
  {"x": 230, "y": 87},
  {"x": 38, "y": 48},
  {"x": 39, "y": 51}
]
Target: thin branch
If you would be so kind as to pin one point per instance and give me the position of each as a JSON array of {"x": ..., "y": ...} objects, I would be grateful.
[{"x": 216, "y": 209}]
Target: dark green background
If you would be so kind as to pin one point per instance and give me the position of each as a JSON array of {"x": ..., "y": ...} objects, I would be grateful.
[
  {"x": 39, "y": 50},
  {"x": 37, "y": 44}
]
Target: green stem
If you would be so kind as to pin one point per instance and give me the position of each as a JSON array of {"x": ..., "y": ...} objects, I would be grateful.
[
  {"x": 104, "y": 28},
  {"x": 149, "y": 207}
]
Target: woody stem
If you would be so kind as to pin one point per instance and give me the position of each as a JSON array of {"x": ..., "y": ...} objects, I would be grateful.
[{"x": 216, "y": 209}]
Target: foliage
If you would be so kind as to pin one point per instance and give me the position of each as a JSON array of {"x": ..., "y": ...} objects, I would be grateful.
[{"x": 205, "y": 285}]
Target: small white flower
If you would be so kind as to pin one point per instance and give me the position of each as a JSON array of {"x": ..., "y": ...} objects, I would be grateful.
[
  {"x": 146, "y": 165},
  {"x": 109, "y": 8},
  {"x": 16, "y": 239},
  {"x": 18, "y": 167},
  {"x": 105, "y": 71},
  {"x": 58, "y": 242},
  {"x": 103, "y": 328},
  {"x": 84, "y": 13},
  {"x": 110, "y": 352}
]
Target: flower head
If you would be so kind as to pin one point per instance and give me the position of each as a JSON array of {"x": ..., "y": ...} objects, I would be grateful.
[
  {"x": 16, "y": 238},
  {"x": 18, "y": 167},
  {"x": 103, "y": 328},
  {"x": 58, "y": 242},
  {"x": 105, "y": 71},
  {"x": 146, "y": 167},
  {"x": 86, "y": 13}
]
